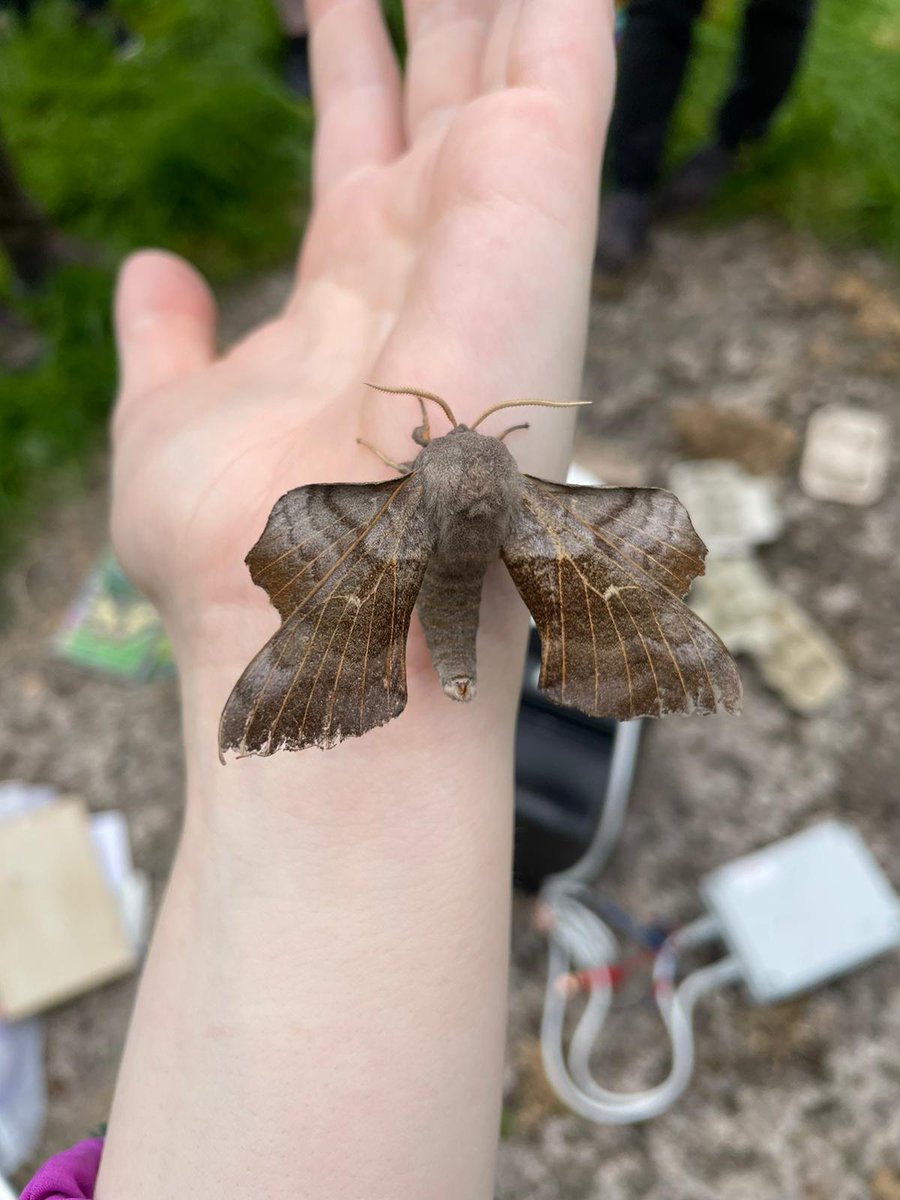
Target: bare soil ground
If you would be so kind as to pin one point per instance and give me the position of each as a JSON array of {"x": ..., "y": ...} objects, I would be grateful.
[{"x": 797, "y": 1102}]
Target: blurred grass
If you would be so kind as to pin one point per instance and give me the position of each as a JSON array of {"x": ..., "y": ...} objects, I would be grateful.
[
  {"x": 194, "y": 145},
  {"x": 832, "y": 163}
]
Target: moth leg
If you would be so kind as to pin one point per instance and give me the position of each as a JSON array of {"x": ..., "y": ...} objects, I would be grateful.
[
  {"x": 389, "y": 462},
  {"x": 421, "y": 435},
  {"x": 512, "y": 429}
]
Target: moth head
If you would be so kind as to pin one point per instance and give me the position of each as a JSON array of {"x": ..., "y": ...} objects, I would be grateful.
[{"x": 472, "y": 486}]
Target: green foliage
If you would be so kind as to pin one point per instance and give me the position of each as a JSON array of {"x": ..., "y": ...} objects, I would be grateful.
[
  {"x": 831, "y": 162},
  {"x": 507, "y": 1123},
  {"x": 393, "y": 11},
  {"x": 192, "y": 144},
  {"x": 48, "y": 416}
]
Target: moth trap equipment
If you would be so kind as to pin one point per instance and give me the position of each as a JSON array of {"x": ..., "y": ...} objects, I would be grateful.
[{"x": 786, "y": 919}]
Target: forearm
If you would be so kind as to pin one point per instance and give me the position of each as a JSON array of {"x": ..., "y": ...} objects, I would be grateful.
[{"x": 323, "y": 1009}]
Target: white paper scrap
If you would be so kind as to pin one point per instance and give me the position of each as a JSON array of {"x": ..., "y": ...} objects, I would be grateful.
[
  {"x": 846, "y": 455},
  {"x": 731, "y": 510}
]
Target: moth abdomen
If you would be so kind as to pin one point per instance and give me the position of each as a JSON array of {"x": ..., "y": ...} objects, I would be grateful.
[{"x": 448, "y": 607}]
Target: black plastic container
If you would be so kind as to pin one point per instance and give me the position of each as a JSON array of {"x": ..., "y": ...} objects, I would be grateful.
[{"x": 564, "y": 763}]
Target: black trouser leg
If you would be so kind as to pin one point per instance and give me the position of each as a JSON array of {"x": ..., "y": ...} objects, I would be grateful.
[
  {"x": 772, "y": 40},
  {"x": 24, "y": 229},
  {"x": 652, "y": 60}
]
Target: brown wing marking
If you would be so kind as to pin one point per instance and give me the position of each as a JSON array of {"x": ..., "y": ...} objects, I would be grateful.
[
  {"x": 616, "y": 638},
  {"x": 338, "y": 561},
  {"x": 649, "y": 513}
]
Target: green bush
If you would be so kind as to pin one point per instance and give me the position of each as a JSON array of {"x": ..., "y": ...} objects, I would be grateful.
[
  {"x": 832, "y": 162},
  {"x": 192, "y": 144}
]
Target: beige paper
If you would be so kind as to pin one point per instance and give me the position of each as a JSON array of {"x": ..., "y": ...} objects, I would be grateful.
[{"x": 60, "y": 929}]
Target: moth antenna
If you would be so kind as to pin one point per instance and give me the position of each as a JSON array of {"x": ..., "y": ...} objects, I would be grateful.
[
  {"x": 420, "y": 395},
  {"x": 512, "y": 429},
  {"x": 530, "y": 403}
]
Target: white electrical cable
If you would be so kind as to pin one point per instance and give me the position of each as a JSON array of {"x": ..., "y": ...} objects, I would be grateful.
[
  {"x": 580, "y": 940},
  {"x": 615, "y": 802}
]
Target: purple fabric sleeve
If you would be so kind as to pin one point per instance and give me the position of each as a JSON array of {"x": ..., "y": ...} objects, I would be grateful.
[{"x": 68, "y": 1176}]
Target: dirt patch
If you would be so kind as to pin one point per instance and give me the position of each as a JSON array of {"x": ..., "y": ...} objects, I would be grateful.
[{"x": 799, "y": 1102}]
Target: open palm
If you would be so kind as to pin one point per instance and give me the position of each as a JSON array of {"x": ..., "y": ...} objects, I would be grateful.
[{"x": 449, "y": 248}]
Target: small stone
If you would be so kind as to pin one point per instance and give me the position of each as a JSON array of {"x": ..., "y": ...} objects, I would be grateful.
[
  {"x": 739, "y": 359},
  {"x": 840, "y": 599},
  {"x": 685, "y": 363}
]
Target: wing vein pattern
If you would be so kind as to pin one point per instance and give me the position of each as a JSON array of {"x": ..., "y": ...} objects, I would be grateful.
[
  {"x": 342, "y": 564},
  {"x": 584, "y": 549}
]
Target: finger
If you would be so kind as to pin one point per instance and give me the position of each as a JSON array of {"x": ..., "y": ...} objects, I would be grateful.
[
  {"x": 566, "y": 48},
  {"x": 495, "y": 60},
  {"x": 446, "y": 40},
  {"x": 165, "y": 323},
  {"x": 356, "y": 87}
]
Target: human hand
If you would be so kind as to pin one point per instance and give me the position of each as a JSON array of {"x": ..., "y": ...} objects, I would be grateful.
[
  {"x": 335, "y": 932},
  {"x": 448, "y": 248}
]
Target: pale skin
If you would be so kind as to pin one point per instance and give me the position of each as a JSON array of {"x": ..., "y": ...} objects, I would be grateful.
[{"x": 322, "y": 1013}]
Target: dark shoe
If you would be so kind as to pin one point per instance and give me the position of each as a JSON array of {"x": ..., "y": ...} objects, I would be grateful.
[
  {"x": 21, "y": 346},
  {"x": 622, "y": 233},
  {"x": 696, "y": 182},
  {"x": 295, "y": 66}
]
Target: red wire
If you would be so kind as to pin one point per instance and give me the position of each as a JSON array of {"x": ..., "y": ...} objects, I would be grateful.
[{"x": 611, "y": 974}]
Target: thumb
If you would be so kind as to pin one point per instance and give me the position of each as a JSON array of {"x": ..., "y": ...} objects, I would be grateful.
[{"x": 165, "y": 319}]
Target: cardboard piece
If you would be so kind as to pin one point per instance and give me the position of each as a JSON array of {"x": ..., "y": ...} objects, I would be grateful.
[
  {"x": 61, "y": 931},
  {"x": 735, "y": 598},
  {"x": 801, "y": 662}
]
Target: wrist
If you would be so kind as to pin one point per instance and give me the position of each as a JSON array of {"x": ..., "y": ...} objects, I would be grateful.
[
  {"x": 373, "y": 826},
  {"x": 435, "y": 747}
]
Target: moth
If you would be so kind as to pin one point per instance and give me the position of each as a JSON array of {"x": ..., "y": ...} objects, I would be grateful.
[{"x": 602, "y": 571}]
